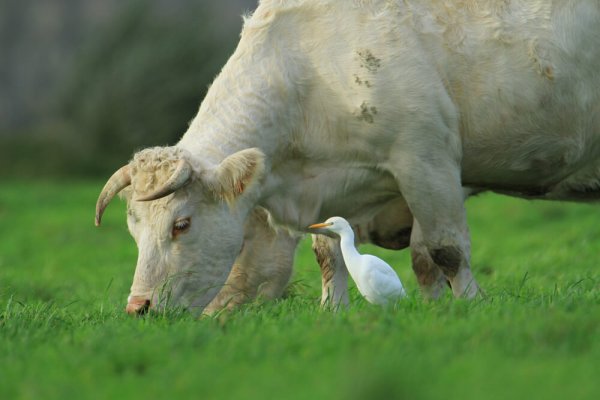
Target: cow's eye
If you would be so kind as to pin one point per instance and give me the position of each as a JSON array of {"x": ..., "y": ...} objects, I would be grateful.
[{"x": 181, "y": 226}]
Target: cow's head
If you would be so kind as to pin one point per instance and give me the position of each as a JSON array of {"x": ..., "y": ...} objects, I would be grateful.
[{"x": 187, "y": 220}]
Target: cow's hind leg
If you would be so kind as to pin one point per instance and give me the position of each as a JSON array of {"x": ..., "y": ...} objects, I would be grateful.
[
  {"x": 430, "y": 277},
  {"x": 334, "y": 275},
  {"x": 263, "y": 267},
  {"x": 437, "y": 205},
  {"x": 426, "y": 164}
]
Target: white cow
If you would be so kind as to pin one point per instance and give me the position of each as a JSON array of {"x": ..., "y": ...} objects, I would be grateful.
[{"x": 373, "y": 110}]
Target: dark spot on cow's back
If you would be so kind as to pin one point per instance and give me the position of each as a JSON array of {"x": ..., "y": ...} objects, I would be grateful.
[
  {"x": 367, "y": 113},
  {"x": 368, "y": 60},
  {"x": 361, "y": 82}
]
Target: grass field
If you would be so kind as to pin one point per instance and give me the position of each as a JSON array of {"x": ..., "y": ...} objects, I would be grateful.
[{"x": 63, "y": 332}]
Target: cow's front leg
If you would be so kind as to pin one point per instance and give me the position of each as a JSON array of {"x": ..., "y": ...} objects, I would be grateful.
[
  {"x": 334, "y": 275},
  {"x": 263, "y": 267},
  {"x": 431, "y": 279}
]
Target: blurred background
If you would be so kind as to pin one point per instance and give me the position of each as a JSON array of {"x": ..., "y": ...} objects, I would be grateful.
[{"x": 85, "y": 83}]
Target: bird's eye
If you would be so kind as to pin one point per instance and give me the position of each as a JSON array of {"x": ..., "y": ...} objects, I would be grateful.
[{"x": 181, "y": 226}]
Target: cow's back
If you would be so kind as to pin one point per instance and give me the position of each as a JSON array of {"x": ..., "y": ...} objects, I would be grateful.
[{"x": 519, "y": 78}]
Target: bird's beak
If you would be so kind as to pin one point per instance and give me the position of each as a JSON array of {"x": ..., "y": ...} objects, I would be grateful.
[{"x": 321, "y": 225}]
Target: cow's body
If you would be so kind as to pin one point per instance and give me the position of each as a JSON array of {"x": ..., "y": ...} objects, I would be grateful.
[
  {"x": 516, "y": 83},
  {"x": 405, "y": 107}
]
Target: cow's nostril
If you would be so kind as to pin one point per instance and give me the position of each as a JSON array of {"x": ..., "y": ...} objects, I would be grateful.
[{"x": 137, "y": 306}]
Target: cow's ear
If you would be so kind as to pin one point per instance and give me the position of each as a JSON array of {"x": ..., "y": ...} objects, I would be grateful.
[{"x": 237, "y": 174}]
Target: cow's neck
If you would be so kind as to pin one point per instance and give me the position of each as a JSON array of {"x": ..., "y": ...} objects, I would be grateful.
[
  {"x": 248, "y": 105},
  {"x": 252, "y": 104}
]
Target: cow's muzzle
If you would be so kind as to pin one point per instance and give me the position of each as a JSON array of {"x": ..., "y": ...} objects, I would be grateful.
[{"x": 137, "y": 305}]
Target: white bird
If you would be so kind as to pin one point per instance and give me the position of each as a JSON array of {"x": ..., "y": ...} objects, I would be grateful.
[{"x": 375, "y": 279}]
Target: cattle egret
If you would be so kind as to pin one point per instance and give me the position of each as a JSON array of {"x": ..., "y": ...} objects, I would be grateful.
[{"x": 375, "y": 279}]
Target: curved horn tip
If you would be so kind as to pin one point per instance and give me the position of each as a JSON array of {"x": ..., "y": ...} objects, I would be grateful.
[
  {"x": 117, "y": 182},
  {"x": 100, "y": 207}
]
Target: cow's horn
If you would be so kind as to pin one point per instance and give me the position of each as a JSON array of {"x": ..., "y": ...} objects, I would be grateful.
[
  {"x": 117, "y": 182},
  {"x": 181, "y": 176}
]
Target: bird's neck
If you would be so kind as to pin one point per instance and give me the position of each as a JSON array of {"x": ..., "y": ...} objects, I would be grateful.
[{"x": 349, "y": 251}]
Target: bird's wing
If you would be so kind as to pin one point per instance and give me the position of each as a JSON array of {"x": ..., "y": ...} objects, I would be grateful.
[{"x": 382, "y": 279}]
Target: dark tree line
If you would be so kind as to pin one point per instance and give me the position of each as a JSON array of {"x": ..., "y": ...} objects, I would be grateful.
[{"x": 105, "y": 82}]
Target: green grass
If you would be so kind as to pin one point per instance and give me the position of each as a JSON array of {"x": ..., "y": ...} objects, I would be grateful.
[{"x": 63, "y": 332}]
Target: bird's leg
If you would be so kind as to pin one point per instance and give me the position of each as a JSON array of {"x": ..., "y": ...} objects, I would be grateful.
[
  {"x": 430, "y": 278},
  {"x": 334, "y": 275}
]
